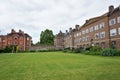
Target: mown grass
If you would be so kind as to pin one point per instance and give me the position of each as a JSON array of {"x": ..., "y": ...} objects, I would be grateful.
[{"x": 58, "y": 66}]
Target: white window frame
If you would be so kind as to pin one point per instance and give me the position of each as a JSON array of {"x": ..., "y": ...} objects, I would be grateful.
[
  {"x": 83, "y": 32},
  {"x": 28, "y": 38},
  {"x": 102, "y": 34},
  {"x": 0, "y": 39},
  {"x": 87, "y": 30},
  {"x": 112, "y": 20},
  {"x": 102, "y": 25},
  {"x": 80, "y": 39},
  {"x": 113, "y": 32},
  {"x": 96, "y": 34},
  {"x": 91, "y": 29},
  {"x": 83, "y": 39},
  {"x": 118, "y": 19},
  {"x": 119, "y": 30},
  {"x": 87, "y": 38},
  {"x": 96, "y": 27}
]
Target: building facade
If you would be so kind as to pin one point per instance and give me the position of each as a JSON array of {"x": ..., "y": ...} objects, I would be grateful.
[
  {"x": 20, "y": 40},
  {"x": 102, "y": 31}
]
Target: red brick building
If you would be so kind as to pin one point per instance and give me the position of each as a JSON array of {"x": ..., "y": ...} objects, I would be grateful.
[
  {"x": 59, "y": 40},
  {"x": 102, "y": 31},
  {"x": 19, "y": 40}
]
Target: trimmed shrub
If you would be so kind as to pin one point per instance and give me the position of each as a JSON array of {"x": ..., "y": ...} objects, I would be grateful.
[
  {"x": 1, "y": 51},
  {"x": 109, "y": 52},
  {"x": 8, "y": 49},
  {"x": 32, "y": 50},
  {"x": 78, "y": 50}
]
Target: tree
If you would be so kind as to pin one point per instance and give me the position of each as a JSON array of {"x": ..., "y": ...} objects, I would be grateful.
[{"x": 47, "y": 37}]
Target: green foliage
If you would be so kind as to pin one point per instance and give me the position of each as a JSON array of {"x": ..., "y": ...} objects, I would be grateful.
[
  {"x": 8, "y": 49},
  {"x": 109, "y": 52},
  {"x": 67, "y": 50},
  {"x": 47, "y": 37},
  {"x": 78, "y": 50},
  {"x": 93, "y": 50},
  {"x": 1, "y": 51}
]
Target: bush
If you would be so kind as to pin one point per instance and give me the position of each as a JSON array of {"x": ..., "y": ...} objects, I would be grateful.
[
  {"x": 95, "y": 48},
  {"x": 8, "y": 49},
  {"x": 1, "y": 51},
  {"x": 78, "y": 50},
  {"x": 109, "y": 52},
  {"x": 118, "y": 53},
  {"x": 32, "y": 50}
]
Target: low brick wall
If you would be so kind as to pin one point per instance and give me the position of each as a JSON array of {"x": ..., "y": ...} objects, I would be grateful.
[{"x": 42, "y": 47}]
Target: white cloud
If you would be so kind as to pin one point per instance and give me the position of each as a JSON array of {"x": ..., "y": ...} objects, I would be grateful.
[{"x": 33, "y": 16}]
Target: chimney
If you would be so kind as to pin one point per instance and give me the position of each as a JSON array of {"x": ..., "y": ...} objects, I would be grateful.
[
  {"x": 76, "y": 27},
  {"x": 87, "y": 21},
  {"x": 20, "y": 31},
  {"x": 60, "y": 31},
  {"x": 70, "y": 29},
  {"x": 111, "y": 8},
  {"x": 12, "y": 31},
  {"x": 66, "y": 31}
]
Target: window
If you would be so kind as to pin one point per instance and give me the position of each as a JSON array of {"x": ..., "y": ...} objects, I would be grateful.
[
  {"x": 83, "y": 39},
  {"x": 87, "y": 38},
  {"x": 112, "y": 32},
  {"x": 118, "y": 19},
  {"x": 0, "y": 39},
  {"x": 113, "y": 44},
  {"x": 83, "y": 32},
  {"x": 102, "y": 35},
  {"x": 112, "y": 22},
  {"x": 79, "y": 33},
  {"x": 96, "y": 27},
  {"x": 10, "y": 38},
  {"x": 27, "y": 38},
  {"x": 9, "y": 43},
  {"x": 91, "y": 29},
  {"x": 119, "y": 30},
  {"x": 15, "y": 43},
  {"x": 102, "y": 25},
  {"x": 103, "y": 45},
  {"x": 21, "y": 43},
  {"x": 97, "y": 44},
  {"x": 96, "y": 35},
  {"x": 87, "y": 31},
  {"x": 21, "y": 38},
  {"x": 80, "y": 40}
]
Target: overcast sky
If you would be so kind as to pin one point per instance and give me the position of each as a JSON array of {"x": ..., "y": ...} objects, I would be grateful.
[{"x": 34, "y": 16}]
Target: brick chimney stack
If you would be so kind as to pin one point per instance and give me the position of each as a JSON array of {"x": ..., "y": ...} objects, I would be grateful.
[
  {"x": 70, "y": 29},
  {"x": 76, "y": 27},
  {"x": 13, "y": 31},
  {"x": 111, "y": 8},
  {"x": 66, "y": 31},
  {"x": 20, "y": 31}
]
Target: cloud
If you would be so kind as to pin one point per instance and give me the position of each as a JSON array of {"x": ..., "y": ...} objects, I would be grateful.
[{"x": 34, "y": 16}]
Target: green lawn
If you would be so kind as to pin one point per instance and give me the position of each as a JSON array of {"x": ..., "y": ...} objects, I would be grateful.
[{"x": 58, "y": 66}]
